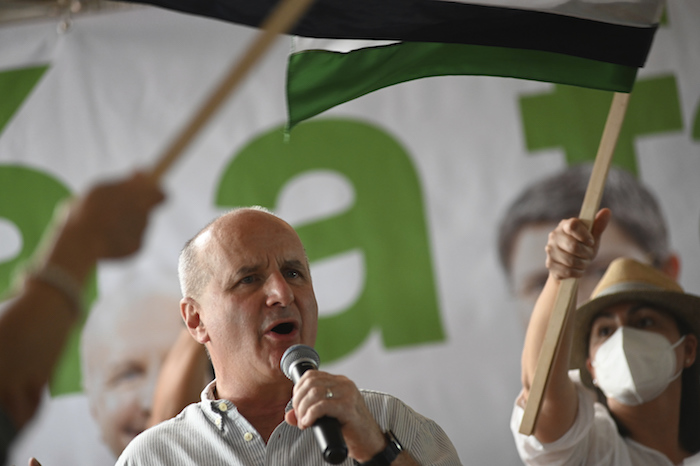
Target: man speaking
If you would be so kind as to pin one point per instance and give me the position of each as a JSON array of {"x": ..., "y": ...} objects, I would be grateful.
[{"x": 248, "y": 297}]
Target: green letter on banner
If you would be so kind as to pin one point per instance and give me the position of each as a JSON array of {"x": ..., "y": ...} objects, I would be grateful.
[
  {"x": 15, "y": 86},
  {"x": 573, "y": 118},
  {"x": 28, "y": 199},
  {"x": 696, "y": 125},
  {"x": 386, "y": 223}
]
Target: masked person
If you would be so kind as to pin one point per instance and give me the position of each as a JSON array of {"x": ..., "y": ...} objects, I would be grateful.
[{"x": 633, "y": 394}]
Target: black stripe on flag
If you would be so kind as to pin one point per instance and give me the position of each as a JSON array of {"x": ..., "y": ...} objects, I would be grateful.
[{"x": 440, "y": 21}]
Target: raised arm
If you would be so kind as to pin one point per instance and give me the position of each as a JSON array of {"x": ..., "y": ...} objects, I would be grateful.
[
  {"x": 107, "y": 222},
  {"x": 570, "y": 249},
  {"x": 184, "y": 374}
]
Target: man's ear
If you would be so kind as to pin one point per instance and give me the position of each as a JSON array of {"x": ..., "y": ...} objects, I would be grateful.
[{"x": 191, "y": 314}]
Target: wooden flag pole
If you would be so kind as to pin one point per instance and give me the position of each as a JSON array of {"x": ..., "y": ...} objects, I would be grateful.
[
  {"x": 281, "y": 20},
  {"x": 567, "y": 290}
]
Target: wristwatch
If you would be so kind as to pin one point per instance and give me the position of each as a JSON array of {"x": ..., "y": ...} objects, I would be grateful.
[{"x": 388, "y": 455}]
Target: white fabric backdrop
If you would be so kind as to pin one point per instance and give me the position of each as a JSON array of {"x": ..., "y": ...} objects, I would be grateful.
[{"x": 120, "y": 84}]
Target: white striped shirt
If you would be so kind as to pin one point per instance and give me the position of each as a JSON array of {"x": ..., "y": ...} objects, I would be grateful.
[{"x": 212, "y": 433}]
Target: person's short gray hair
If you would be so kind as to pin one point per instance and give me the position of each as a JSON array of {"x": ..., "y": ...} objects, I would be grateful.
[{"x": 560, "y": 196}]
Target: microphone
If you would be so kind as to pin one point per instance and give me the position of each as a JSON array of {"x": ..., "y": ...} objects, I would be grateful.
[{"x": 295, "y": 361}]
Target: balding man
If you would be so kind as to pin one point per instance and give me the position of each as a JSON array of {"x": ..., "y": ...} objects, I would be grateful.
[{"x": 248, "y": 297}]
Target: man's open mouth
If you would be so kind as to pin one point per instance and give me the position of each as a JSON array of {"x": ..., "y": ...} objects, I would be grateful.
[{"x": 284, "y": 328}]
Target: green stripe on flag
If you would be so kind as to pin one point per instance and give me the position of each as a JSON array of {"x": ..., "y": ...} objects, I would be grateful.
[{"x": 318, "y": 80}]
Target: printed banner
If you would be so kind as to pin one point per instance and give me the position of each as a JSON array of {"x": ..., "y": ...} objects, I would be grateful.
[{"x": 415, "y": 204}]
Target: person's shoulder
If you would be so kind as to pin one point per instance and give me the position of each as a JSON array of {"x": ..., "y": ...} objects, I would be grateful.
[
  {"x": 189, "y": 415},
  {"x": 386, "y": 406},
  {"x": 420, "y": 435},
  {"x": 383, "y": 396},
  {"x": 158, "y": 434},
  {"x": 377, "y": 396},
  {"x": 161, "y": 435}
]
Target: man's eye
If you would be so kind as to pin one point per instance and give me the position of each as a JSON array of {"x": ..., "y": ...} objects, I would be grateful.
[
  {"x": 247, "y": 280},
  {"x": 604, "y": 331},
  {"x": 293, "y": 274}
]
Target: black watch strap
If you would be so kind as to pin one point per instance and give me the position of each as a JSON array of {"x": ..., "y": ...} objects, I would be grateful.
[{"x": 388, "y": 455}]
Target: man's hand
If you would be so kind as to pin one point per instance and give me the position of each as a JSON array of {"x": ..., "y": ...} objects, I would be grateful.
[{"x": 319, "y": 394}]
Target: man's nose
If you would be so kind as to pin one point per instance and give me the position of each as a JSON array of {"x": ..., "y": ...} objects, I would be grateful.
[{"x": 278, "y": 291}]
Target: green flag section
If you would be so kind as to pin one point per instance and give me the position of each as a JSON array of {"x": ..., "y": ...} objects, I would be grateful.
[
  {"x": 530, "y": 39},
  {"x": 318, "y": 80},
  {"x": 584, "y": 43}
]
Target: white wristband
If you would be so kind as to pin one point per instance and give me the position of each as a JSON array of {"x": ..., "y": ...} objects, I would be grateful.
[{"x": 55, "y": 276}]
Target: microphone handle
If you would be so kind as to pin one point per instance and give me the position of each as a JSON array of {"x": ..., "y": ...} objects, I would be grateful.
[
  {"x": 330, "y": 439},
  {"x": 326, "y": 429}
]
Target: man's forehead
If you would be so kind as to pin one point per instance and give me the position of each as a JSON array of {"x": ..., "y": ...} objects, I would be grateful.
[
  {"x": 247, "y": 222},
  {"x": 204, "y": 238},
  {"x": 238, "y": 226},
  {"x": 250, "y": 237}
]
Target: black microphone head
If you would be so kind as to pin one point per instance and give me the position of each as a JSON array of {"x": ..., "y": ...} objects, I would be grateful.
[{"x": 296, "y": 354}]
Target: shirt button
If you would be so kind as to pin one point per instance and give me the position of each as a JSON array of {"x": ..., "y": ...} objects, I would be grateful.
[
  {"x": 217, "y": 422},
  {"x": 223, "y": 407},
  {"x": 247, "y": 436}
]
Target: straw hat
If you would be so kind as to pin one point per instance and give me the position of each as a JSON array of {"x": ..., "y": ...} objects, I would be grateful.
[{"x": 627, "y": 280}]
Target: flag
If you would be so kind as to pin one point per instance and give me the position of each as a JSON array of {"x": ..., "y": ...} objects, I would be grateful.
[
  {"x": 595, "y": 44},
  {"x": 591, "y": 43}
]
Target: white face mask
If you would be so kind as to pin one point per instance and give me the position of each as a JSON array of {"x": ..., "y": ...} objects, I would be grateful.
[{"x": 635, "y": 366}]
